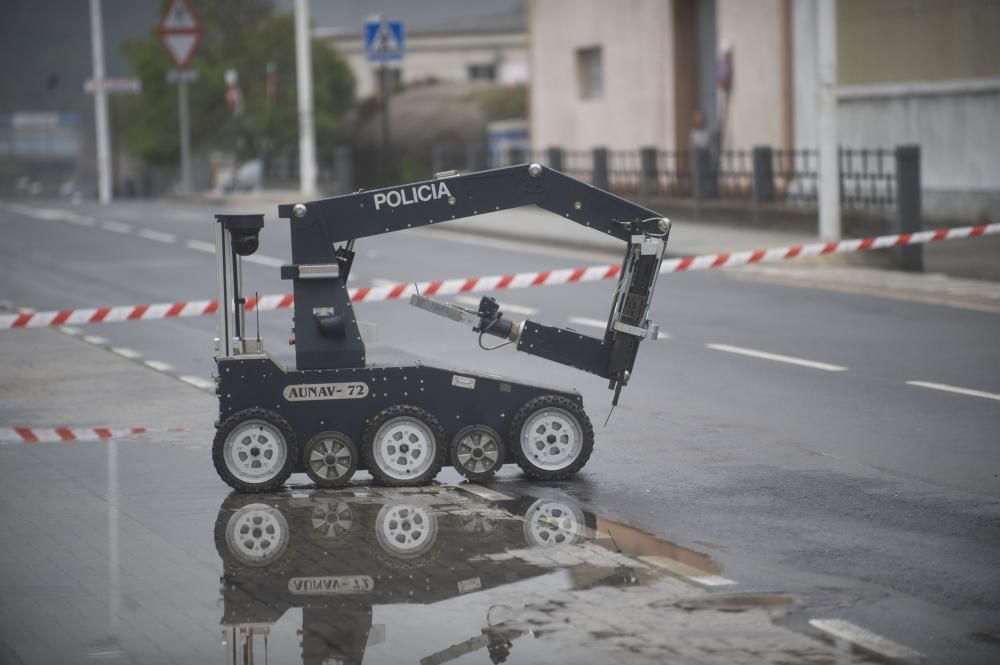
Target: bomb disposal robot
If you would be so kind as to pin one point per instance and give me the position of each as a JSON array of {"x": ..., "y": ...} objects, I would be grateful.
[{"x": 335, "y": 413}]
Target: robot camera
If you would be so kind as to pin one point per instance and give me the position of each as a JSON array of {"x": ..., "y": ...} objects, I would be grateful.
[{"x": 243, "y": 231}]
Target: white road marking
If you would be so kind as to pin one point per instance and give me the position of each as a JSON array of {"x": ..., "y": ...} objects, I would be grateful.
[
  {"x": 200, "y": 245},
  {"x": 507, "y": 307},
  {"x": 603, "y": 325},
  {"x": 686, "y": 570},
  {"x": 802, "y": 362},
  {"x": 66, "y": 330},
  {"x": 954, "y": 389},
  {"x": 378, "y": 282},
  {"x": 865, "y": 639},
  {"x": 81, "y": 220},
  {"x": 94, "y": 339},
  {"x": 484, "y": 492},
  {"x": 117, "y": 227},
  {"x": 131, "y": 354},
  {"x": 198, "y": 382},
  {"x": 591, "y": 323},
  {"x": 158, "y": 365},
  {"x": 263, "y": 260},
  {"x": 158, "y": 236}
]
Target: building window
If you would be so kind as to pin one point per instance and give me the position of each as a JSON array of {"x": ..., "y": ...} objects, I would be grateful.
[
  {"x": 487, "y": 72},
  {"x": 590, "y": 72}
]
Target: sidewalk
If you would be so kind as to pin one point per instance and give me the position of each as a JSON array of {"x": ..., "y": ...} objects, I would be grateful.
[{"x": 50, "y": 380}]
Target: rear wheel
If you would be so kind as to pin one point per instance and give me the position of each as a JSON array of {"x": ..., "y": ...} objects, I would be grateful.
[
  {"x": 477, "y": 452},
  {"x": 551, "y": 437},
  {"x": 254, "y": 450},
  {"x": 404, "y": 446},
  {"x": 330, "y": 459}
]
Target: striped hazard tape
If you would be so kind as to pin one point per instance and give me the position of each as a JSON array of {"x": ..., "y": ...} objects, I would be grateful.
[
  {"x": 493, "y": 282},
  {"x": 51, "y": 434}
]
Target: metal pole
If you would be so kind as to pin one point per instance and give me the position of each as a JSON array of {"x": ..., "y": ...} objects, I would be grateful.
[
  {"x": 829, "y": 162},
  {"x": 185, "y": 122},
  {"x": 387, "y": 171},
  {"x": 304, "y": 81},
  {"x": 100, "y": 104},
  {"x": 908, "y": 215}
]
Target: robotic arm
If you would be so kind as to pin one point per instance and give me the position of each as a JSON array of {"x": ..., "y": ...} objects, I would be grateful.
[{"x": 318, "y": 226}]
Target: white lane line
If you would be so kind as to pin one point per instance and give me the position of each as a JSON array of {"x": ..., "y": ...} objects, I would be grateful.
[
  {"x": 685, "y": 570},
  {"x": 94, "y": 339},
  {"x": 198, "y": 382},
  {"x": 66, "y": 330},
  {"x": 260, "y": 259},
  {"x": 483, "y": 492},
  {"x": 954, "y": 389},
  {"x": 590, "y": 323},
  {"x": 378, "y": 282},
  {"x": 791, "y": 360},
  {"x": 200, "y": 245},
  {"x": 81, "y": 220},
  {"x": 131, "y": 354},
  {"x": 603, "y": 325},
  {"x": 158, "y": 236},
  {"x": 117, "y": 227},
  {"x": 507, "y": 307},
  {"x": 158, "y": 365},
  {"x": 865, "y": 639}
]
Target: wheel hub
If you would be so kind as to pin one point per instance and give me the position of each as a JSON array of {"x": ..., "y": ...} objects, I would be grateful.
[
  {"x": 552, "y": 439},
  {"x": 257, "y": 534},
  {"x": 478, "y": 451},
  {"x": 255, "y": 450},
  {"x": 403, "y": 448},
  {"x": 330, "y": 459},
  {"x": 406, "y": 529}
]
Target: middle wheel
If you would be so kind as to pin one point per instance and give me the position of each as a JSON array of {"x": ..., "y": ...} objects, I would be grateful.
[
  {"x": 477, "y": 452},
  {"x": 404, "y": 445},
  {"x": 330, "y": 459}
]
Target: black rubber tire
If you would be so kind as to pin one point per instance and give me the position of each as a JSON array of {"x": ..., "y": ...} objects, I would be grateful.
[
  {"x": 279, "y": 423},
  {"x": 437, "y": 433},
  {"x": 477, "y": 476},
  {"x": 545, "y": 402},
  {"x": 325, "y": 483}
]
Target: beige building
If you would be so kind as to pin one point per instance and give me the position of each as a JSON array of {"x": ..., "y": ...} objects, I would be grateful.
[
  {"x": 491, "y": 48},
  {"x": 631, "y": 73}
]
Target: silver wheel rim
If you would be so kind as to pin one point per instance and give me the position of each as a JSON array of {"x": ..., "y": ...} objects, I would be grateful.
[
  {"x": 255, "y": 451},
  {"x": 478, "y": 450},
  {"x": 332, "y": 519},
  {"x": 404, "y": 448},
  {"x": 405, "y": 529},
  {"x": 330, "y": 458},
  {"x": 550, "y": 523},
  {"x": 551, "y": 439},
  {"x": 257, "y": 534}
]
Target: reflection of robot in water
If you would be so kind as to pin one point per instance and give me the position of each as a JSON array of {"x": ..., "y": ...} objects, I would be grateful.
[{"x": 338, "y": 554}]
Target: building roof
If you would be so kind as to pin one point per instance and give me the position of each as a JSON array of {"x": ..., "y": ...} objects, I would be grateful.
[{"x": 510, "y": 19}]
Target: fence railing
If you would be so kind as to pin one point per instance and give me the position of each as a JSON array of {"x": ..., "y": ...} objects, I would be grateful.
[{"x": 760, "y": 175}]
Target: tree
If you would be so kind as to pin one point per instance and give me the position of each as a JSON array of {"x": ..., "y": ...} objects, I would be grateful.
[{"x": 244, "y": 35}]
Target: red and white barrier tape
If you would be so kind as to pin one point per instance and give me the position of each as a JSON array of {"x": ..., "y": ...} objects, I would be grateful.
[
  {"x": 50, "y": 434},
  {"x": 493, "y": 282}
]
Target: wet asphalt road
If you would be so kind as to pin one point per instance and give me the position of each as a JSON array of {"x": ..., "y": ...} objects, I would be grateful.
[{"x": 861, "y": 497}]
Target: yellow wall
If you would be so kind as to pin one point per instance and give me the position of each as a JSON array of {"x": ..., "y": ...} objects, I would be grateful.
[{"x": 883, "y": 41}]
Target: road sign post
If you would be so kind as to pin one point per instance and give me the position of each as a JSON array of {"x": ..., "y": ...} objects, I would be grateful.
[
  {"x": 385, "y": 41},
  {"x": 180, "y": 33},
  {"x": 100, "y": 104}
]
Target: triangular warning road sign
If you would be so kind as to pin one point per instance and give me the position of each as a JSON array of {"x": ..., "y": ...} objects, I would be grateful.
[
  {"x": 179, "y": 18},
  {"x": 180, "y": 46}
]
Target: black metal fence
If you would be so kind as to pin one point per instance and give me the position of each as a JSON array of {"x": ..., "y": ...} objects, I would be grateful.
[{"x": 762, "y": 175}]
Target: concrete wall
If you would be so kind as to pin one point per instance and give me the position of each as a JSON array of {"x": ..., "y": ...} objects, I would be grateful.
[
  {"x": 443, "y": 56},
  {"x": 636, "y": 40},
  {"x": 757, "y": 113}
]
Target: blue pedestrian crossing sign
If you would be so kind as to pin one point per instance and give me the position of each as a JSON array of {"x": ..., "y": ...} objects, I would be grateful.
[{"x": 385, "y": 41}]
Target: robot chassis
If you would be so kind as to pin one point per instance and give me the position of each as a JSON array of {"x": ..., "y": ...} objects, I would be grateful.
[{"x": 334, "y": 413}]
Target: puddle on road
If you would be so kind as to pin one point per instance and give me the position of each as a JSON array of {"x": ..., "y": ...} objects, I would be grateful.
[{"x": 442, "y": 575}]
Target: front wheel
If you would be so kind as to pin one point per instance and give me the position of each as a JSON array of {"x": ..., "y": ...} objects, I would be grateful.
[
  {"x": 254, "y": 450},
  {"x": 551, "y": 437}
]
